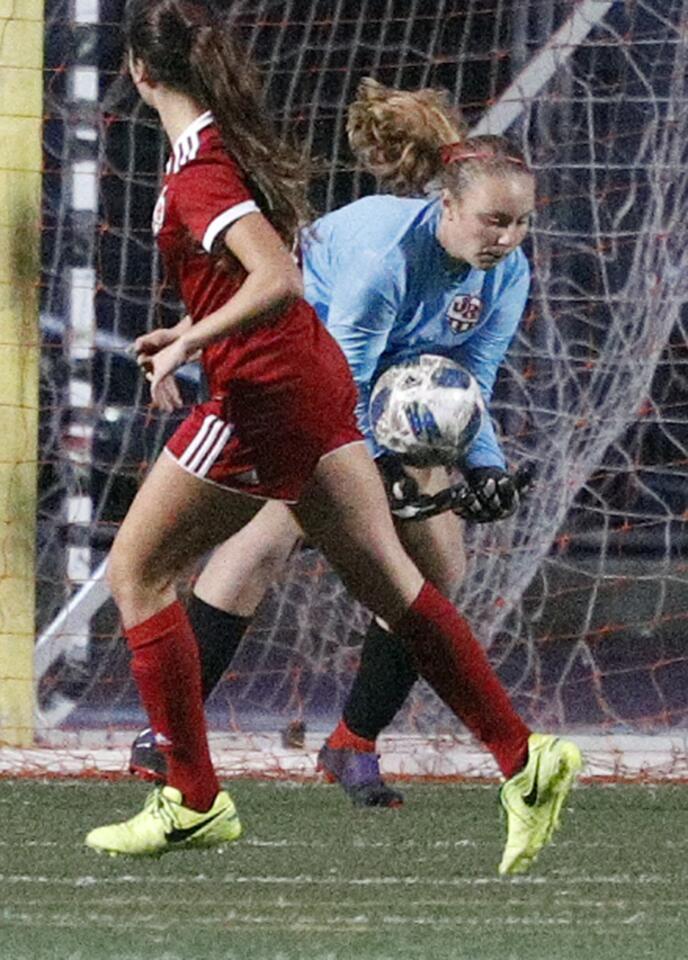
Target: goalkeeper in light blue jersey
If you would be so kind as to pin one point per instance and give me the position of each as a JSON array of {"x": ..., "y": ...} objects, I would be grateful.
[
  {"x": 387, "y": 288},
  {"x": 433, "y": 267}
]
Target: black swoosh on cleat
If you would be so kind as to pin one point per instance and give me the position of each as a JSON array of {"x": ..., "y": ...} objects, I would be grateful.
[
  {"x": 530, "y": 798},
  {"x": 180, "y": 834}
]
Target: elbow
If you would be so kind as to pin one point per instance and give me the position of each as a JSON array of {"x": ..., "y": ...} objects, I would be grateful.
[
  {"x": 277, "y": 289},
  {"x": 290, "y": 287}
]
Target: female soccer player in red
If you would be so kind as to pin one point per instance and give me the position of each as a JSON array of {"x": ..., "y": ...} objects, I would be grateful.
[
  {"x": 418, "y": 269},
  {"x": 228, "y": 210}
]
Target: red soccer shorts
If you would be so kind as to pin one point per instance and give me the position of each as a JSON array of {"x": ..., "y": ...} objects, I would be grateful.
[{"x": 270, "y": 453}]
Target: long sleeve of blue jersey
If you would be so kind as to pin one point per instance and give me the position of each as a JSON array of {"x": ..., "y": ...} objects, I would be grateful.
[
  {"x": 361, "y": 312},
  {"x": 483, "y": 353}
]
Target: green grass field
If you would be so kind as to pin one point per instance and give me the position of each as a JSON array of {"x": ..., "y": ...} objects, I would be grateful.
[{"x": 315, "y": 879}]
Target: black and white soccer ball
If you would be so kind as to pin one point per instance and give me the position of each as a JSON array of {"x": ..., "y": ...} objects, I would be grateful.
[{"x": 427, "y": 410}]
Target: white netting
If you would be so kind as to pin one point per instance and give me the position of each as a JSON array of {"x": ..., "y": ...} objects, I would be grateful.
[{"x": 582, "y": 596}]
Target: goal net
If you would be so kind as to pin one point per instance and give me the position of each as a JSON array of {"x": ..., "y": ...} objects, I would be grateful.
[{"x": 582, "y": 597}]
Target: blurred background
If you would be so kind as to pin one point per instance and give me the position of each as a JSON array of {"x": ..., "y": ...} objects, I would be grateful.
[{"x": 582, "y": 597}]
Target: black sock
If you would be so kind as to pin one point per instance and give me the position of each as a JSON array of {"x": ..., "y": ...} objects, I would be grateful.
[
  {"x": 218, "y": 634},
  {"x": 383, "y": 682}
]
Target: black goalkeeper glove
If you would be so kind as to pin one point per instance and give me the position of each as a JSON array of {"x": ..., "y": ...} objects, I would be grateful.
[
  {"x": 493, "y": 494},
  {"x": 487, "y": 494},
  {"x": 405, "y": 499}
]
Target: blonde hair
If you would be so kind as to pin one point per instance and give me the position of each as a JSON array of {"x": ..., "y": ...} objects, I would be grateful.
[{"x": 411, "y": 139}]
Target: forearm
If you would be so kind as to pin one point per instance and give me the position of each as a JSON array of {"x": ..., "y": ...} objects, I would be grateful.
[
  {"x": 260, "y": 295},
  {"x": 485, "y": 450},
  {"x": 182, "y": 326}
]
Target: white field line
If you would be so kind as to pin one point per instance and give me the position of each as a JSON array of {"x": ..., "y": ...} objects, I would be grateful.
[
  {"x": 301, "y": 880},
  {"x": 359, "y": 923},
  {"x": 617, "y": 756}
]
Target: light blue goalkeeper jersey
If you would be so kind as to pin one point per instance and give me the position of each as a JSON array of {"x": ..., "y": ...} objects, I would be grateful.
[{"x": 388, "y": 291}]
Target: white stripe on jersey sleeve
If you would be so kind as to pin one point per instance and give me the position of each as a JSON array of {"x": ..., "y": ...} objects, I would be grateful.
[{"x": 221, "y": 222}]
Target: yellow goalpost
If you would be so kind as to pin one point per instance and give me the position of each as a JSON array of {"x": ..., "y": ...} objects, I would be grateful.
[{"x": 21, "y": 110}]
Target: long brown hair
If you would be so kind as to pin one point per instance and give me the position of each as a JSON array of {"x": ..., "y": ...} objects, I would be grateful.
[
  {"x": 411, "y": 139},
  {"x": 187, "y": 46}
]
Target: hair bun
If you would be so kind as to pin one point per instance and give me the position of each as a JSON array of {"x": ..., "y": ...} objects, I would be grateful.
[{"x": 397, "y": 134}]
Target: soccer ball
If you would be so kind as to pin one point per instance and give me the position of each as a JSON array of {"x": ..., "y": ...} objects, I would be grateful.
[{"x": 428, "y": 410}]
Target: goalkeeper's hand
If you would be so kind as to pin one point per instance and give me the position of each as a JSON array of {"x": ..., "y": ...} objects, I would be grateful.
[
  {"x": 487, "y": 494},
  {"x": 492, "y": 493},
  {"x": 406, "y": 502}
]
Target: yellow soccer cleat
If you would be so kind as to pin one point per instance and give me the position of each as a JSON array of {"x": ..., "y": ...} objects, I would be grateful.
[
  {"x": 532, "y": 799},
  {"x": 165, "y": 824}
]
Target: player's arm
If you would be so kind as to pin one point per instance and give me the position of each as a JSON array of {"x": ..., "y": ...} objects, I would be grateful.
[
  {"x": 273, "y": 281},
  {"x": 494, "y": 491},
  {"x": 149, "y": 343},
  {"x": 167, "y": 394},
  {"x": 212, "y": 202},
  {"x": 362, "y": 308},
  {"x": 482, "y": 354}
]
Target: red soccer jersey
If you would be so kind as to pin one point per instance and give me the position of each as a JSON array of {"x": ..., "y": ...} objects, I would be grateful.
[
  {"x": 282, "y": 393},
  {"x": 204, "y": 192}
]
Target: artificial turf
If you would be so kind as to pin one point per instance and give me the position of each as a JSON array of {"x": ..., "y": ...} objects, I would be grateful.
[{"x": 315, "y": 879}]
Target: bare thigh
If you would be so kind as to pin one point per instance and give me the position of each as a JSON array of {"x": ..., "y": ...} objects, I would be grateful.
[
  {"x": 174, "y": 519},
  {"x": 345, "y": 511},
  {"x": 436, "y": 545},
  {"x": 241, "y": 569}
]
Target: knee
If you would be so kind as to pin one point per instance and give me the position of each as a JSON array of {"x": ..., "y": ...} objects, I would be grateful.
[
  {"x": 271, "y": 563},
  {"x": 130, "y": 581},
  {"x": 119, "y": 576}
]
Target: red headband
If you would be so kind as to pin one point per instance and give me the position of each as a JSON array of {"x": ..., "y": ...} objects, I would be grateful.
[{"x": 459, "y": 153}]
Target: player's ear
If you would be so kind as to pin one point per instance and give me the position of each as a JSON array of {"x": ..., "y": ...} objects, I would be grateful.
[
  {"x": 448, "y": 204},
  {"x": 137, "y": 68}
]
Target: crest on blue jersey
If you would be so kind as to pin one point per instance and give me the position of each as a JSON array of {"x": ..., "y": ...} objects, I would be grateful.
[{"x": 464, "y": 312}]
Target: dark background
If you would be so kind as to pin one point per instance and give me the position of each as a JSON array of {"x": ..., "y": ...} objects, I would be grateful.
[{"x": 597, "y": 638}]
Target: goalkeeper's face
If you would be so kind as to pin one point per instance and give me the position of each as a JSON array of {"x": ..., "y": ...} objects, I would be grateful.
[{"x": 488, "y": 221}]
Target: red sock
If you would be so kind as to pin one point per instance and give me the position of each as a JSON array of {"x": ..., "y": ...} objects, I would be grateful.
[
  {"x": 166, "y": 668},
  {"x": 449, "y": 657},
  {"x": 342, "y": 738}
]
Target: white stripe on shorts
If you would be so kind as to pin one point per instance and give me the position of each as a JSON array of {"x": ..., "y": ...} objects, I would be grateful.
[
  {"x": 197, "y": 440},
  {"x": 206, "y": 446},
  {"x": 202, "y": 469}
]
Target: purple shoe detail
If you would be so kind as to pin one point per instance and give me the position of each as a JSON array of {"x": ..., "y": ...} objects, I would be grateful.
[
  {"x": 358, "y": 773},
  {"x": 146, "y": 760}
]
